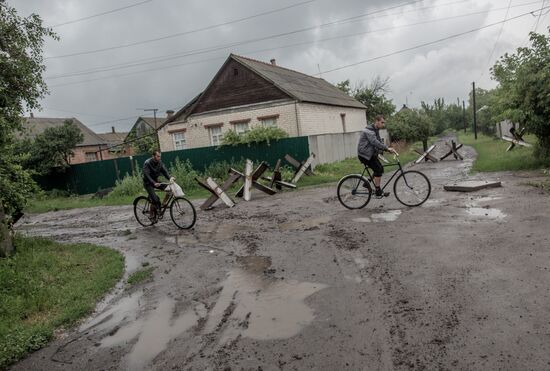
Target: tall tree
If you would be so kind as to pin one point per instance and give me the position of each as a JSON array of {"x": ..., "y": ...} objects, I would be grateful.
[
  {"x": 373, "y": 96},
  {"x": 523, "y": 94},
  {"x": 53, "y": 149},
  {"x": 21, "y": 87}
]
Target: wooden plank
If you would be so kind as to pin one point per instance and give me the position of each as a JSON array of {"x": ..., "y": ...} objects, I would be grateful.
[
  {"x": 276, "y": 175},
  {"x": 297, "y": 164},
  {"x": 471, "y": 185},
  {"x": 515, "y": 141},
  {"x": 221, "y": 194},
  {"x": 280, "y": 182},
  {"x": 303, "y": 169},
  {"x": 255, "y": 176},
  {"x": 225, "y": 186},
  {"x": 425, "y": 155},
  {"x": 247, "y": 179}
]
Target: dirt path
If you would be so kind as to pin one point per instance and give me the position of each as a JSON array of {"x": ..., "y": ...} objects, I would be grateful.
[{"x": 295, "y": 281}]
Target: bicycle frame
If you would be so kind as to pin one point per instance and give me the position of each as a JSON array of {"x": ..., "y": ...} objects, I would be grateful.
[{"x": 399, "y": 170}]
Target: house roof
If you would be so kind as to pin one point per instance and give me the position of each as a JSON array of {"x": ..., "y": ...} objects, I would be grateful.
[
  {"x": 113, "y": 138},
  {"x": 300, "y": 86},
  {"x": 151, "y": 121},
  {"x": 32, "y": 126},
  {"x": 303, "y": 87}
]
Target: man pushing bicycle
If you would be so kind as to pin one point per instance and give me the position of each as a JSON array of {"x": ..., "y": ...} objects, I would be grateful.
[
  {"x": 370, "y": 145},
  {"x": 152, "y": 169}
]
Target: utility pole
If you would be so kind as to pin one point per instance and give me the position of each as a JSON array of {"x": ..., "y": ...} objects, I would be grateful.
[
  {"x": 474, "y": 108},
  {"x": 156, "y": 126},
  {"x": 464, "y": 115}
]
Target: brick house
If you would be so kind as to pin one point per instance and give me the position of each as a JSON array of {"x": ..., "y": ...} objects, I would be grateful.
[
  {"x": 92, "y": 148},
  {"x": 116, "y": 143},
  {"x": 246, "y": 93}
]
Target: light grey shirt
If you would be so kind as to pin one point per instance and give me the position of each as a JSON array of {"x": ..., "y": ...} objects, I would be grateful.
[{"x": 370, "y": 143}]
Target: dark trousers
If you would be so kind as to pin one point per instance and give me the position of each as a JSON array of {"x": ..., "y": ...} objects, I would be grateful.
[
  {"x": 374, "y": 164},
  {"x": 153, "y": 195}
]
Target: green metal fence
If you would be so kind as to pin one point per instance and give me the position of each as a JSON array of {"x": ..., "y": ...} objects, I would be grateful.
[{"x": 93, "y": 176}]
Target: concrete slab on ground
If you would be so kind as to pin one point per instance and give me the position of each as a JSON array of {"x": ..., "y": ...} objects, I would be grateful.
[{"x": 471, "y": 185}]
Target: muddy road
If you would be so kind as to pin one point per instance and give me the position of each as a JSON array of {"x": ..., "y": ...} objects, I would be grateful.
[{"x": 295, "y": 282}]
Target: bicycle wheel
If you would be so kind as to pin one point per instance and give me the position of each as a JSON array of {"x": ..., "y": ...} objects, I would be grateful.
[
  {"x": 354, "y": 191},
  {"x": 142, "y": 211},
  {"x": 412, "y": 188},
  {"x": 183, "y": 213}
]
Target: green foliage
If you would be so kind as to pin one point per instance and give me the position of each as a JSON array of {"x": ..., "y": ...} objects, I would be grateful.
[
  {"x": 21, "y": 87},
  {"x": 523, "y": 94},
  {"x": 185, "y": 174},
  {"x": 410, "y": 125},
  {"x": 48, "y": 285},
  {"x": 372, "y": 96},
  {"x": 218, "y": 170},
  {"x": 140, "y": 276},
  {"x": 486, "y": 111},
  {"x": 130, "y": 185},
  {"x": 143, "y": 145},
  {"x": 443, "y": 116},
  {"x": 257, "y": 134},
  {"x": 52, "y": 149}
]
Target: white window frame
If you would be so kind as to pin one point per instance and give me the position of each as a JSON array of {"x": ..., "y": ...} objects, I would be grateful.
[
  {"x": 215, "y": 137},
  {"x": 179, "y": 143},
  {"x": 241, "y": 127},
  {"x": 88, "y": 155},
  {"x": 269, "y": 122}
]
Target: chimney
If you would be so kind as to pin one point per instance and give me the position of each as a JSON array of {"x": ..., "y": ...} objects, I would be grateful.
[
  {"x": 273, "y": 62},
  {"x": 32, "y": 115},
  {"x": 169, "y": 113},
  {"x": 113, "y": 129}
]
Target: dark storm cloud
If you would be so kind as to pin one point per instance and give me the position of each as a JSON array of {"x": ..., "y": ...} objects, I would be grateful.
[{"x": 440, "y": 70}]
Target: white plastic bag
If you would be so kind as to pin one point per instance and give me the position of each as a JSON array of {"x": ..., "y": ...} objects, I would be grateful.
[{"x": 176, "y": 189}]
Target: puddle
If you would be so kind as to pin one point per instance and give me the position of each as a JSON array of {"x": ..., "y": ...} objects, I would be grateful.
[
  {"x": 476, "y": 201},
  {"x": 132, "y": 263},
  {"x": 222, "y": 232},
  {"x": 154, "y": 332},
  {"x": 260, "y": 307},
  {"x": 126, "y": 308},
  {"x": 483, "y": 212},
  {"x": 432, "y": 203},
  {"x": 306, "y": 223},
  {"x": 388, "y": 216}
]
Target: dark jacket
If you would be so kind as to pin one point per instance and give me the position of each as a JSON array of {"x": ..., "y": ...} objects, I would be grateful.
[
  {"x": 152, "y": 170},
  {"x": 370, "y": 143}
]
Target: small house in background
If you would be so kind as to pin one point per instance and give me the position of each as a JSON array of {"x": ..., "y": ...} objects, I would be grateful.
[
  {"x": 92, "y": 148},
  {"x": 146, "y": 126},
  {"x": 246, "y": 93},
  {"x": 115, "y": 143}
]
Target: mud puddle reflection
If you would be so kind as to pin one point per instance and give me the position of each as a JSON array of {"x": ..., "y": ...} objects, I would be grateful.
[
  {"x": 257, "y": 306},
  {"x": 153, "y": 331},
  {"x": 388, "y": 216}
]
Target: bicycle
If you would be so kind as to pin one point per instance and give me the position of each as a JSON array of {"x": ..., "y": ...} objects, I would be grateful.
[
  {"x": 411, "y": 187},
  {"x": 182, "y": 211}
]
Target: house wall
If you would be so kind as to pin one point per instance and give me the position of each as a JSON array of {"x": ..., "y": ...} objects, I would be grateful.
[
  {"x": 79, "y": 156},
  {"x": 196, "y": 126},
  {"x": 323, "y": 119}
]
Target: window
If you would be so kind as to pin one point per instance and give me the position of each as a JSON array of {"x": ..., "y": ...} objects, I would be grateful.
[
  {"x": 215, "y": 135},
  {"x": 269, "y": 122},
  {"x": 241, "y": 127},
  {"x": 179, "y": 140},
  {"x": 343, "y": 117},
  {"x": 91, "y": 156}
]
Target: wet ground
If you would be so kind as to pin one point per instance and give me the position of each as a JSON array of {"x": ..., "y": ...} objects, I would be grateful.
[{"x": 295, "y": 281}]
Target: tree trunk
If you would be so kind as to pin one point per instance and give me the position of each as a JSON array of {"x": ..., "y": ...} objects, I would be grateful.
[{"x": 6, "y": 237}]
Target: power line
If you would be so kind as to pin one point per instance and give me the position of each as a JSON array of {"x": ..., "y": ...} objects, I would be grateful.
[
  {"x": 498, "y": 38},
  {"x": 540, "y": 13},
  {"x": 182, "y": 33},
  {"x": 225, "y": 46},
  {"x": 267, "y": 49},
  {"x": 100, "y": 14},
  {"x": 426, "y": 44}
]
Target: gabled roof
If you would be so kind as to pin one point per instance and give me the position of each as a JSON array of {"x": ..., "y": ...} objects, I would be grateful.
[
  {"x": 302, "y": 87},
  {"x": 113, "y": 138},
  {"x": 32, "y": 126},
  {"x": 151, "y": 121}
]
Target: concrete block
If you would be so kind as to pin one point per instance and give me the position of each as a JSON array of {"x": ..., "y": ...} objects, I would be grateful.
[{"x": 472, "y": 185}]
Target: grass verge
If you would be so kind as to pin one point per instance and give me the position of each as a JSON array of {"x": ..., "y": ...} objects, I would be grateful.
[
  {"x": 47, "y": 285},
  {"x": 326, "y": 173},
  {"x": 492, "y": 155},
  {"x": 140, "y": 276}
]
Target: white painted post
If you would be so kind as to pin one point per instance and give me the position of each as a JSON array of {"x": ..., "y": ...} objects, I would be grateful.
[
  {"x": 247, "y": 179},
  {"x": 303, "y": 168}
]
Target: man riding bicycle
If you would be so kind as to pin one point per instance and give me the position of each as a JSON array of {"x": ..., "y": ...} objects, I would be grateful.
[
  {"x": 152, "y": 169},
  {"x": 370, "y": 145}
]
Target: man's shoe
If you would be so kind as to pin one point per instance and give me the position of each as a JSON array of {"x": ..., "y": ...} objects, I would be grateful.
[{"x": 380, "y": 194}]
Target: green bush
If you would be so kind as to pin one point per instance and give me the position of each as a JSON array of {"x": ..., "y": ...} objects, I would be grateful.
[
  {"x": 185, "y": 174},
  {"x": 259, "y": 134},
  {"x": 130, "y": 185}
]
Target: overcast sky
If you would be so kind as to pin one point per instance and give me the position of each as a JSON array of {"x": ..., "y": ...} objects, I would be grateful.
[{"x": 164, "y": 78}]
